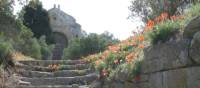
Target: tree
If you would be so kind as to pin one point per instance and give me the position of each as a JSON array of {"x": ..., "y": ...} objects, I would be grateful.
[
  {"x": 36, "y": 18},
  {"x": 148, "y": 9},
  {"x": 93, "y": 43},
  {"x": 6, "y": 6}
]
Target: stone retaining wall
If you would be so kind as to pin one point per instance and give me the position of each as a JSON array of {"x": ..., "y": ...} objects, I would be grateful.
[{"x": 174, "y": 64}]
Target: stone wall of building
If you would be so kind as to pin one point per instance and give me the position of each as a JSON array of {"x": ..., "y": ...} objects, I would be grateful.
[{"x": 63, "y": 23}]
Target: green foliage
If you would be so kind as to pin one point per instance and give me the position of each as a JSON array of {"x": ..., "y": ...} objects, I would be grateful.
[
  {"x": 193, "y": 11},
  {"x": 6, "y": 50},
  {"x": 46, "y": 50},
  {"x": 32, "y": 48},
  {"x": 101, "y": 66},
  {"x": 36, "y": 18},
  {"x": 6, "y": 7},
  {"x": 26, "y": 43},
  {"x": 91, "y": 44},
  {"x": 148, "y": 9},
  {"x": 136, "y": 70},
  {"x": 163, "y": 31},
  {"x": 20, "y": 37}
]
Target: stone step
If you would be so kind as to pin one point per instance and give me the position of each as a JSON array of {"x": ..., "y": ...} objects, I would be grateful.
[
  {"x": 62, "y": 73},
  {"x": 47, "y": 69},
  {"x": 54, "y": 86},
  {"x": 46, "y": 86},
  {"x": 71, "y": 73},
  {"x": 48, "y": 62},
  {"x": 74, "y": 67},
  {"x": 34, "y": 74},
  {"x": 82, "y": 80}
]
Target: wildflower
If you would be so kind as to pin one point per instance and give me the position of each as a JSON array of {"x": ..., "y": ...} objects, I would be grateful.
[
  {"x": 106, "y": 53},
  {"x": 163, "y": 16},
  {"x": 114, "y": 48},
  {"x": 97, "y": 62},
  {"x": 134, "y": 44},
  {"x": 150, "y": 24},
  {"x": 141, "y": 38},
  {"x": 141, "y": 46},
  {"x": 181, "y": 17},
  {"x": 157, "y": 20},
  {"x": 130, "y": 57},
  {"x": 134, "y": 38},
  {"x": 173, "y": 18},
  {"x": 116, "y": 61}
]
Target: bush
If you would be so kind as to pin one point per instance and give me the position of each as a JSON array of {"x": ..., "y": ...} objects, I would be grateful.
[
  {"x": 91, "y": 44},
  {"x": 28, "y": 45},
  {"x": 6, "y": 50},
  {"x": 193, "y": 11},
  {"x": 32, "y": 48},
  {"x": 25, "y": 42},
  {"x": 46, "y": 50},
  {"x": 163, "y": 31}
]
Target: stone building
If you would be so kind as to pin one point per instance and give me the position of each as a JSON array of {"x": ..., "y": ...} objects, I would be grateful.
[{"x": 64, "y": 28}]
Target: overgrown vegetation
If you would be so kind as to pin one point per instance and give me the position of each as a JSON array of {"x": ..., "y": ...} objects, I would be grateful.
[
  {"x": 125, "y": 59},
  {"x": 15, "y": 33},
  {"x": 93, "y": 43},
  {"x": 149, "y": 9},
  {"x": 163, "y": 27},
  {"x": 6, "y": 59}
]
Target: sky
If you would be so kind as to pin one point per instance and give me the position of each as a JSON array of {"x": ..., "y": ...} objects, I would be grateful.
[{"x": 98, "y": 16}]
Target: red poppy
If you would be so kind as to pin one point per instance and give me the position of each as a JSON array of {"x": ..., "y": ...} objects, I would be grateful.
[
  {"x": 164, "y": 16},
  {"x": 150, "y": 24},
  {"x": 138, "y": 78},
  {"x": 141, "y": 38},
  {"x": 141, "y": 46}
]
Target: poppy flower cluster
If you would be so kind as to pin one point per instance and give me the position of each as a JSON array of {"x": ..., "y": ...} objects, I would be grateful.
[
  {"x": 54, "y": 67},
  {"x": 127, "y": 51},
  {"x": 163, "y": 17}
]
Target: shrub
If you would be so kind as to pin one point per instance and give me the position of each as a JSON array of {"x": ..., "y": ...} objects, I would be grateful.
[
  {"x": 91, "y": 44},
  {"x": 193, "y": 11},
  {"x": 28, "y": 45},
  {"x": 46, "y": 50},
  {"x": 163, "y": 31},
  {"x": 163, "y": 27},
  {"x": 32, "y": 48},
  {"x": 6, "y": 50}
]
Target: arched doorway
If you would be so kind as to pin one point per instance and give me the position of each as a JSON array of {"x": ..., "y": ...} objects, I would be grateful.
[{"x": 60, "y": 42}]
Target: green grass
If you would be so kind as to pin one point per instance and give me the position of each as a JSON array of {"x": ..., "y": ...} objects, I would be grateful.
[
  {"x": 193, "y": 11},
  {"x": 163, "y": 31}
]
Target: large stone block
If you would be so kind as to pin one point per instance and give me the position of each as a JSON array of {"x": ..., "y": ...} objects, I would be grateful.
[
  {"x": 166, "y": 56},
  {"x": 169, "y": 79},
  {"x": 179, "y": 78},
  {"x": 136, "y": 85},
  {"x": 156, "y": 80},
  {"x": 175, "y": 79},
  {"x": 193, "y": 77},
  {"x": 192, "y": 27},
  {"x": 194, "y": 52}
]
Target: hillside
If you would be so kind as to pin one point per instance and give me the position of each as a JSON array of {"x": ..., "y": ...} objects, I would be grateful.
[{"x": 164, "y": 55}]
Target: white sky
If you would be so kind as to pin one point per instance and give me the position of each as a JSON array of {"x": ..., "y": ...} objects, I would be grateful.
[{"x": 97, "y": 16}]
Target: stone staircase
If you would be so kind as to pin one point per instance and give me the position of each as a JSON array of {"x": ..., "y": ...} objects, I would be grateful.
[
  {"x": 69, "y": 74},
  {"x": 58, "y": 51}
]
